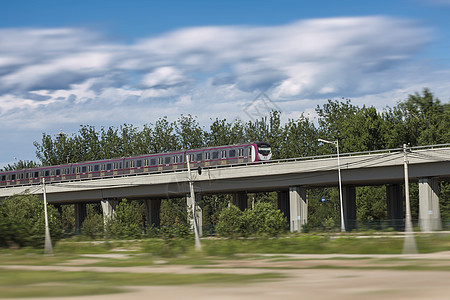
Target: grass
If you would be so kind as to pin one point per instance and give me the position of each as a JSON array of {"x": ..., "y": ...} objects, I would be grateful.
[
  {"x": 20, "y": 284},
  {"x": 154, "y": 252}
]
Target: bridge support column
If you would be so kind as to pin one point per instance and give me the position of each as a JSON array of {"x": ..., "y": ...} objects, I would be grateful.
[
  {"x": 394, "y": 203},
  {"x": 80, "y": 215},
  {"x": 298, "y": 207},
  {"x": 349, "y": 203},
  {"x": 240, "y": 200},
  {"x": 153, "y": 210},
  {"x": 191, "y": 201},
  {"x": 283, "y": 204},
  {"x": 429, "y": 213},
  {"x": 108, "y": 207}
]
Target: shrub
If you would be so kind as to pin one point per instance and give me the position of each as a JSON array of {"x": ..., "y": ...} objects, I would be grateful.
[
  {"x": 230, "y": 221},
  {"x": 264, "y": 219},
  {"x": 124, "y": 224},
  {"x": 93, "y": 226},
  {"x": 22, "y": 222}
]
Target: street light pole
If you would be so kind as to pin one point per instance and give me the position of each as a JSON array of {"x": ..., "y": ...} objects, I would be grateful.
[
  {"x": 198, "y": 245},
  {"x": 336, "y": 143},
  {"x": 48, "y": 249},
  {"x": 409, "y": 245}
]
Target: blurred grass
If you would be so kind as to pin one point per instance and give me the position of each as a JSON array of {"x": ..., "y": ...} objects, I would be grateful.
[{"x": 20, "y": 283}]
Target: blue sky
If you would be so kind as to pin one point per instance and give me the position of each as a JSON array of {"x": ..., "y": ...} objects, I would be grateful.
[{"x": 105, "y": 63}]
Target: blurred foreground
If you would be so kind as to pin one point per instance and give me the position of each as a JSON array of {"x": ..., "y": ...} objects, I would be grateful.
[{"x": 228, "y": 268}]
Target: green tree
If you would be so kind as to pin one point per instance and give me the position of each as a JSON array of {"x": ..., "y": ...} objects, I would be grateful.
[
  {"x": 127, "y": 221},
  {"x": 20, "y": 165},
  {"x": 22, "y": 222},
  {"x": 230, "y": 222},
  {"x": 93, "y": 224}
]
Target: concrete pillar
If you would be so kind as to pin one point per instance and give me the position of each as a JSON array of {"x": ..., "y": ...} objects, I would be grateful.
[
  {"x": 283, "y": 203},
  {"x": 153, "y": 211},
  {"x": 108, "y": 207},
  {"x": 394, "y": 204},
  {"x": 240, "y": 200},
  {"x": 190, "y": 206},
  {"x": 349, "y": 206},
  {"x": 80, "y": 215},
  {"x": 298, "y": 207},
  {"x": 429, "y": 213}
]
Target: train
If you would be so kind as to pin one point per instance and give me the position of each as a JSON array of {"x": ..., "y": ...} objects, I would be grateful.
[{"x": 143, "y": 164}]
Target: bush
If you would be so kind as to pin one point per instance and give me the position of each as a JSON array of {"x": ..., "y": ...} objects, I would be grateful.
[
  {"x": 230, "y": 221},
  {"x": 124, "y": 224},
  {"x": 262, "y": 220},
  {"x": 93, "y": 226},
  {"x": 22, "y": 222}
]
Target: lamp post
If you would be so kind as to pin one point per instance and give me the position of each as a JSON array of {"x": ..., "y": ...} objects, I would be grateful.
[
  {"x": 198, "y": 245},
  {"x": 48, "y": 249},
  {"x": 336, "y": 143}
]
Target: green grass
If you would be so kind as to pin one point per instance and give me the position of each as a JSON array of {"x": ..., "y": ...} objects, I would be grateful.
[{"x": 19, "y": 283}]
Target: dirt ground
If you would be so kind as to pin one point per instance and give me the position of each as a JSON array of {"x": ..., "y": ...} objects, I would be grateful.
[{"x": 341, "y": 279}]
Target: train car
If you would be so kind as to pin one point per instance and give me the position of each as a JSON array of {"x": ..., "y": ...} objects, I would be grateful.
[{"x": 144, "y": 164}]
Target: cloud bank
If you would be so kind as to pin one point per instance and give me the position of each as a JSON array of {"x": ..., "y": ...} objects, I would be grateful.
[{"x": 63, "y": 76}]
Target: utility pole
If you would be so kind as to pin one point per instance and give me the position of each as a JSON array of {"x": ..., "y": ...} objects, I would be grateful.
[
  {"x": 198, "y": 245},
  {"x": 48, "y": 249},
  {"x": 336, "y": 143},
  {"x": 409, "y": 245}
]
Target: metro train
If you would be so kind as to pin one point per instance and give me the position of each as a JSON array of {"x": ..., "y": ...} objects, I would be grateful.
[{"x": 204, "y": 157}]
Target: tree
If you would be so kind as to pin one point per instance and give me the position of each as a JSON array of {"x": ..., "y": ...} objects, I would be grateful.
[
  {"x": 127, "y": 221},
  {"x": 20, "y": 165},
  {"x": 264, "y": 219},
  {"x": 22, "y": 222}
]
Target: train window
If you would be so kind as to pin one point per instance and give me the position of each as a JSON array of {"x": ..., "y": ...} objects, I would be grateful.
[
  {"x": 139, "y": 163},
  {"x": 96, "y": 168},
  {"x": 167, "y": 160},
  {"x": 191, "y": 157},
  {"x": 223, "y": 154},
  {"x": 207, "y": 155},
  {"x": 232, "y": 153},
  {"x": 13, "y": 176},
  {"x": 36, "y": 174},
  {"x": 215, "y": 155},
  {"x": 109, "y": 166},
  {"x": 175, "y": 159},
  {"x": 127, "y": 165},
  {"x": 46, "y": 173},
  {"x": 160, "y": 160},
  {"x": 153, "y": 162},
  {"x": 199, "y": 157},
  {"x": 21, "y": 176},
  {"x": 27, "y": 175},
  {"x": 83, "y": 169},
  {"x": 249, "y": 151},
  {"x": 58, "y": 172},
  {"x": 3, "y": 177},
  {"x": 240, "y": 152},
  {"x": 132, "y": 164}
]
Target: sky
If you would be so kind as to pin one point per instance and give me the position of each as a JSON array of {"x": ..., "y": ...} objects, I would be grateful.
[{"x": 105, "y": 63}]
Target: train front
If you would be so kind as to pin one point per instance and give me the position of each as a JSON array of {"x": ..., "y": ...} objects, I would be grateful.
[{"x": 264, "y": 151}]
